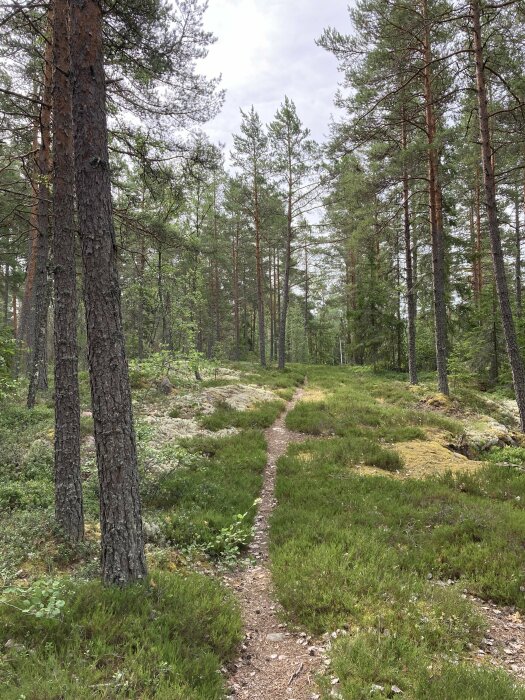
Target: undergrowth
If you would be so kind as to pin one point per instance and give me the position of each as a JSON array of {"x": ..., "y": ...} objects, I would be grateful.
[
  {"x": 198, "y": 505},
  {"x": 261, "y": 415},
  {"x": 366, "y": 553},
  {"x": 166, "y": 639},
  {"x": 162, "y": 639}
]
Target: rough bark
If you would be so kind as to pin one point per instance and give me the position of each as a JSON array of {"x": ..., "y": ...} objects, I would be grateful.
[
  {"x": 68, "y": 481},
  {"x": 122, "y": 541},
  {"x": 489, "y": 181},
  {"x": 435, "y": 209}
]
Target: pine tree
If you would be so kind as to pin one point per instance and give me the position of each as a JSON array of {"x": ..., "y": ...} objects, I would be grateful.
[{"x": 123, "y": 558}]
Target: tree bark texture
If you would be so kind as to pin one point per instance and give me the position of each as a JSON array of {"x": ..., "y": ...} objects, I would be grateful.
[
  {"x": 41, "y": 288},
  {"x": 436, "y": 219},
  {"x": 68, "y": 481},
  {"x": 123, "y": 559},
  {"x": 489, "y": 181}
]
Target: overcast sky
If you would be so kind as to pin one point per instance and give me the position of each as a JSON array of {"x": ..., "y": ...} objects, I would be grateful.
[{"x": 265, "y": 50}]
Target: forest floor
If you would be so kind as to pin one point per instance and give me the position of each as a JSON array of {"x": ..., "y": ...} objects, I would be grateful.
[{"x": 385, "y": 558}]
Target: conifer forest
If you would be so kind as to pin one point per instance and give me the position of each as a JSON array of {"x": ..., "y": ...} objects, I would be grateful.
[{"x": 262, "y": 341}]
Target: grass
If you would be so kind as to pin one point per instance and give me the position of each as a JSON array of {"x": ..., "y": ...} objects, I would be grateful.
[
  {"x": 352, "y": 408},
  {"x": 284, "y": 383},
  {"x": 167, "y": 639},
  {"x": 363, "y": 553},
  {"x": 359, "y": 553},
  {"x": 164, "y": 639},
  {"x": 198, "y": 501},
  {"x": 261, "y": 415}
]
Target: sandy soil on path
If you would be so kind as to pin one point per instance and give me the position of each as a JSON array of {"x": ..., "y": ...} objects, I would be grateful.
[{"x": 276, "y": 663}]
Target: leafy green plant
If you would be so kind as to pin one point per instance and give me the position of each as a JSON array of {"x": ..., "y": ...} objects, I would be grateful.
[
  {"x": 231, "y": 540},
  {"x": 44, "y": 598}
]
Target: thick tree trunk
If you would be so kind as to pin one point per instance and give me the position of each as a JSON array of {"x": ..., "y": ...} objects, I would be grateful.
[
  {"x": 436, "y": 223},
  {"x": 411, "y": 299},
  {"x": 511, "y": 340},
  {"x": 123, "y": 558},
  {"x": 41, "y": 288},
  {"x": 68, "y": 480}
]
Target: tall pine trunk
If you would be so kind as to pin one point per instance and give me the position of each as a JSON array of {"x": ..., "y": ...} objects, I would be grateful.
[
  {"x": 68, "y": 481},
  {"x": 236, "y": 305},
  {"x": 489, "y": 181},
  {"x": 27, "y": 321},
  {"x": 411, "y": 299},
  {"x": 287, "y": 266},
  {"x": 123, "y": 558},
  {"x": 436, "y": 219},
  {"x": 519, "y": 303},
  {"x": 41, "y": 289},
  {"x": 259, "y": 274}
]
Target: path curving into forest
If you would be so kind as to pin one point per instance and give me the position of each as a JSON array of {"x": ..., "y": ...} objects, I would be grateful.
[{"x": 275, "y": 663}]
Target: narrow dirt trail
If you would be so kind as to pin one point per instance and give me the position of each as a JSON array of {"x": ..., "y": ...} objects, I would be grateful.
[{"x": 275, "y": 663}]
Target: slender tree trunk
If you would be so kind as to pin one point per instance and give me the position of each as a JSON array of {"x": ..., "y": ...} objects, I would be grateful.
[
  {"x": 415, "y": 272},
  {"x": 511, "y": 340},
  {"x": 6, "y": 295},
  {"x": 478, "y": 247},
  {"x": 411, "y": 299},
  {"x": 15, "y": 314},
  {"x": 236, "y": 311},
  {"x": 519, "y": 304},
  {"x": 287, "y": 267},
  {"x": 123, "y": 558},
  {"x": 141, "y": 302},
  {"x": 216, "y": 281},
  {"x": 68, "y": 480},
  {"x": 307, "y": 299},
  {"x": 41, "y": 287},
  {"x": 436, "y": 224},
  {"x": 271, "y": 294},
  {"x": 26, "y": 327},
  {"x": 260, "y": 277}
]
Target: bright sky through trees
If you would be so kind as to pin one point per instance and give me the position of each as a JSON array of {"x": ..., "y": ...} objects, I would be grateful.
[{"x": 266, "y": 49}]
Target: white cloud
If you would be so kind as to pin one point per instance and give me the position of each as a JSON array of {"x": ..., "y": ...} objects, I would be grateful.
[{"x": 265, "y": 50}]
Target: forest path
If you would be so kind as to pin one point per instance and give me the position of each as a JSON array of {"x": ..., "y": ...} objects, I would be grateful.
[{"x": 275, "y": 663}]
